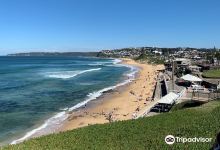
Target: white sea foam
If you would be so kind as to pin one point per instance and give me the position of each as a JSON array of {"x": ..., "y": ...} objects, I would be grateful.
[
  {"x": 61, "y": 116},
  {"x": 64, "y": 109},
  {"x": 55, "y": 120},
  {"x": 113, "y": 62},
  {"x": 68, "y": 74},
  {"x": 99, "y": 63},
  {"x": 133, "y": 70},
  {"x": 95, "y": 95},
  {"x": 116, "y": 61}
]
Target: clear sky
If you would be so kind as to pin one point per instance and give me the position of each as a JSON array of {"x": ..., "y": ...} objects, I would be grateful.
[{"x": 85, "y": 25}]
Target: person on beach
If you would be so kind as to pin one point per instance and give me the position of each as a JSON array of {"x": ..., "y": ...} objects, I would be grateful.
[
  {"x": 152, "y": 99},
  {"x": 134, "y": 115},
  {"x": 110, "y": 117},
  {"x": 138, "y": 108}
]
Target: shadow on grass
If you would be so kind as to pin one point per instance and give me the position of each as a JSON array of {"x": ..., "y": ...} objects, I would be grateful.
[{"x": 187, "y": 104}]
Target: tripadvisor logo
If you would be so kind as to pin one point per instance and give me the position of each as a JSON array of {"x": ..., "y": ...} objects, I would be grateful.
[{"x": 170, "y": 139}]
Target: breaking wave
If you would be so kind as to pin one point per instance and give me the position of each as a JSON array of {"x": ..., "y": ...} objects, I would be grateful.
[{"x": 68, "y": 74}]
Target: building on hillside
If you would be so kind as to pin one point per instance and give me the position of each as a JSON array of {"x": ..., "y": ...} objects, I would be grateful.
[
  {"x": 196, "y": 57},
  {"x": 195, "y": 69},
  {"x": 178, "y": 63},
  {"x": 204, "y": 67},
  {"x": 157, "y": 52},
  {"x": 182, "y": 62},
  {"x": 214, "y": 61}
]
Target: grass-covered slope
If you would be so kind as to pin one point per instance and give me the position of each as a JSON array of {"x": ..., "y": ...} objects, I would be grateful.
[
  {"x": 144, "y": 133},
  {"x": 149, "y": 58},
  {"x": 211, "y": 74}
]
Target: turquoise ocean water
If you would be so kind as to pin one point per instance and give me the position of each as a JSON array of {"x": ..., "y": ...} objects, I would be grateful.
[{"x": 36, "y": 93}]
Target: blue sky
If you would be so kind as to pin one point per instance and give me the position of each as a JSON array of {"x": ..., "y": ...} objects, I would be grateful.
[{"x": 85, "y": 25}]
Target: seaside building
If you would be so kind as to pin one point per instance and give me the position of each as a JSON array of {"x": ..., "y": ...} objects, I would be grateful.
[
  {"x": 182, "y": 62},
  {"x": 195, "y": 69}
]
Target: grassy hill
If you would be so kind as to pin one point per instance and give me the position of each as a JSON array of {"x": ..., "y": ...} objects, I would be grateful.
[
  {"x": 152, "y": 59},
  {"x": 211, "y": 74},
  {"x": 145, "y": 133}
]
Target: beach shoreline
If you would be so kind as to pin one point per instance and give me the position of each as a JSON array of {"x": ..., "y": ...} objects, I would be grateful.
[
  {"x": 126, "y": 100},
  {"x": 122, "y": 103}
]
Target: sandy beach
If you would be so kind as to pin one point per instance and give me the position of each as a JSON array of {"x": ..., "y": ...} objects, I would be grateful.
[{"x": 122, "y": 103}]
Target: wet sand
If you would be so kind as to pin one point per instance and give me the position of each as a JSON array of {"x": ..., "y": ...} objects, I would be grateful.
[{"x": 122, "y": 103}]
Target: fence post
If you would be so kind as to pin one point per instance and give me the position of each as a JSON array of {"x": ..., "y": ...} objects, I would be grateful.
[{"x": 209, "y": 96}]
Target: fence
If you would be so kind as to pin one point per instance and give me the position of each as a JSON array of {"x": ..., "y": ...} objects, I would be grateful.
[{"x": 204, "y": 96}]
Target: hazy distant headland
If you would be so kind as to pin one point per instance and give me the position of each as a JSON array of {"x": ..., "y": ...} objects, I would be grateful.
[
  {"x": 88, "y": 54},
  {"x": 118, "y": 53}
]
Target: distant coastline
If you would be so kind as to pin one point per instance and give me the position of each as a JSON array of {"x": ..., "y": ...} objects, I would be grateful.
[
  {"x": 130, "y": 52},
  {"x": 87, "y": 54}
]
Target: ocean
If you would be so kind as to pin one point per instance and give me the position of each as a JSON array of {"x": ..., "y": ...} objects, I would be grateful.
[{"x": 36, "y": 93}]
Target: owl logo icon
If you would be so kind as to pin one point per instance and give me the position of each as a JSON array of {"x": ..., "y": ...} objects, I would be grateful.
[{"x": 170, "y": 139}]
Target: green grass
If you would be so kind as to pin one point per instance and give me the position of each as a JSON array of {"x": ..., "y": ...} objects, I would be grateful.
[
  {"x": 152, "y": 59},
  {"x": 145, "y": 133},
  {"x": 211, "y": 74},
  {"x": 187, "y": 104}
]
